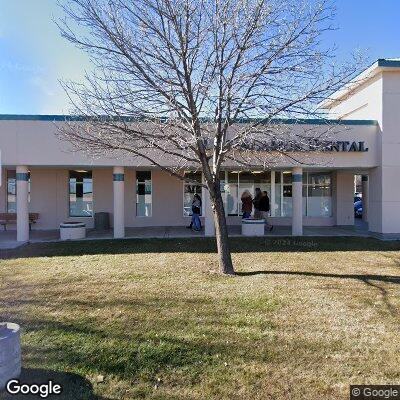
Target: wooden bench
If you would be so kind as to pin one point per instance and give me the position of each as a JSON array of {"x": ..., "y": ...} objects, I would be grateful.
[{"x": 11, "y": 218}]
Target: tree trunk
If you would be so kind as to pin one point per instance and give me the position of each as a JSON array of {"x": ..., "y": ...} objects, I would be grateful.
[{"x": 221, "y": 232}]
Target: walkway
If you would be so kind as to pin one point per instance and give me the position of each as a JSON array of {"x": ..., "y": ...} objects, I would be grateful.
[{"x": 8, "y": 238}]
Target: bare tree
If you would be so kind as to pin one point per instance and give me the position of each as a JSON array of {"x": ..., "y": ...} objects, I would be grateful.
[{"x": 193, "y": 84}]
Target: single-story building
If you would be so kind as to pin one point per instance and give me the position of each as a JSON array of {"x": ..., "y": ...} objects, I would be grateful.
[{"x": 40, "y": 175}]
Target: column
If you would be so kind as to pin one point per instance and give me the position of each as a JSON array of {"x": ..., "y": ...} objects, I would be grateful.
[
  {"x": 344, "y": 202},
  {"x": 119, "y": 207},
  {"x": 272, "y": 205},
  {"x": 22, "y": 176},
  {"x": 209, "y": 226},
  {"x": 297, "y": 198},
  {"x": 365, "y": 190}
]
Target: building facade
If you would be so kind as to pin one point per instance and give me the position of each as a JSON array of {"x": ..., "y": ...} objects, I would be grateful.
[{"x": 40, "y": 174}]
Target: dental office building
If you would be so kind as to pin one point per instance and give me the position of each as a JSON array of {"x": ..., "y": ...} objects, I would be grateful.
[{"x": 39, "y": 174}]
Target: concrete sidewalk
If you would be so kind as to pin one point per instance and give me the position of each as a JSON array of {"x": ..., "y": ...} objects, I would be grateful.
[{"x": 8, "y": 239}]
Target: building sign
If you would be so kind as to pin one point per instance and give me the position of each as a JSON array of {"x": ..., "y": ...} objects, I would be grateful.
[
  {"x": 309, "y": 144},
  {"x": 347, "y": 146}
]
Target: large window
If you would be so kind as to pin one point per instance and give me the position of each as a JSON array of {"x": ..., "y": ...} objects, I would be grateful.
[
  {"x": 317, "y": 196},
  {"x": 12, "y": 191},
  {"x": 80, "y": 194},
  {"x": 239, "y": 182},
  {"x": 317, "y": 188},
  {"x": 287, "y": 202},
  {"x": 189, "y": 190},
  {"x": 143, "y": 194},
  {"x": 231, "y": 189}
]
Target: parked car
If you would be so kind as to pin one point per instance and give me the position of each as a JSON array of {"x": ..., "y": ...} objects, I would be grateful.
[{"x": 358, "y": 208}]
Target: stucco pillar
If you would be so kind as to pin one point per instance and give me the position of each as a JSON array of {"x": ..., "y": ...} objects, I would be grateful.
[
  {"x": 297, "y": 198},
  {"x": 209, "y": 227},
  {"x": 119, "y": 206},
  {"x": 272, "y": 195},
  {"x": 22, "y": 176},
  {"x": 365, "y": 190}
]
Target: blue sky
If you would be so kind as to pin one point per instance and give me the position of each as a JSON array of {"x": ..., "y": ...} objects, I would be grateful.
[{"x": 33, "y": 56}]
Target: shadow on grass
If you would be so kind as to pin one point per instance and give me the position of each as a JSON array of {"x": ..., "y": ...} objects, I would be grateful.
[
  {"x": 368, "y": 279},
  {"x": 364, "y": 278},
  {"x": 73, "y": 385},
  {"x": 138, "y": 349},
  {"x": 200, "y": 245}
]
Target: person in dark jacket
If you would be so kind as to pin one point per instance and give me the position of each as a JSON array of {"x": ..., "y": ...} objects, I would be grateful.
[
  {"x": 264, "y": 207},
  {"x": 256, "y": 203},
  {"x": 247, "y": 204},
  {"x": 195, "y": 223}
]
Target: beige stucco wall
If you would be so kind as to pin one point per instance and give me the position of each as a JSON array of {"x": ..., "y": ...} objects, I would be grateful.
[
  {"x": 344, "y": 198},
  {"x": 379, "y": 99},
  {"x": 49, "y": 197},
  {"x": 387, "y": 178},
  {"x": 364, "y": 103},
  {"x": 35, "y": 143}
]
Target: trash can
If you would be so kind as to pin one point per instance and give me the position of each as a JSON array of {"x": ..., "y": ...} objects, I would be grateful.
[
  {"x": 253, "y": 227},
  {"x": 72, "y": 230},
  {"x": 10, "y": 353},
  {"x": 102, "y": 221}
]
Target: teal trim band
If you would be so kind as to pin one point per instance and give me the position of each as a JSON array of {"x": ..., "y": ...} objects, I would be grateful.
[
  {"x": 382, "y": 62},
  {"x": 297, "y": 177},
  {"x": 126, "y": 118},
  {"x": 118, "y": 177},
  {"x": 22, "y": 176}
]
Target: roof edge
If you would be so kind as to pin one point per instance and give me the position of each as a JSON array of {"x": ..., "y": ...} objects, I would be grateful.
[
  {"x": 361, "y": 78},
  {"x": 289, "y": 121},
  {"x": 385, "y": 62}
]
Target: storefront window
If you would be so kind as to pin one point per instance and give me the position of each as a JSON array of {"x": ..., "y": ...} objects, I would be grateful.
[
  {"x": 232, "y": 193},
  {"x": 239, "y": 182},
  {"x": 80, "y": 194},
  {"x": 286, "y": 194},
  {"x": 189, "y": 190},
  {"x": 319, "y": 195},
  {"x": 278, "y": 194},
  {"x": 12, "y": 191},
  {"x": 317, "y": 192},
  {"x": 143, "y": 194},
  {"x": 304, "y": 195}
]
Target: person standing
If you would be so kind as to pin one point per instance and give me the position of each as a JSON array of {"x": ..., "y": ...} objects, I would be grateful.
[
  {"x": 264, "y": 207},
  {"x": 195, "y": 223},
  {"x": 247, "y": 204},
  {"x": 256, "y": 203}
]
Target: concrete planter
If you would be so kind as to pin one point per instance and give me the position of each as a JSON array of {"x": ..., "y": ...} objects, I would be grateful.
[
  {"x": 253, "y": 227},
  {"x": 10, "y": 352},
  {"x": 72, "y": 230}
]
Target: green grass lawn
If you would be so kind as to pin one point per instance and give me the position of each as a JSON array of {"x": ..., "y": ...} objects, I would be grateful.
[{"x": 153, "y": 319}]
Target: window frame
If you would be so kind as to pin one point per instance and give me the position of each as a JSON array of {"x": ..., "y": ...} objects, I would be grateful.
[
  {"x": 6, "y": 191},
  {"x": 69, "y": 195},
  {"x": 136, "y": 194},
  {"x": 184, "y": 184},
  {"x": 307, "y": 185}
]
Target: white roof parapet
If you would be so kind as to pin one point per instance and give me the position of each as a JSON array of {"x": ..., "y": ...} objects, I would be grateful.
[{"x": 382, "y": 64}]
